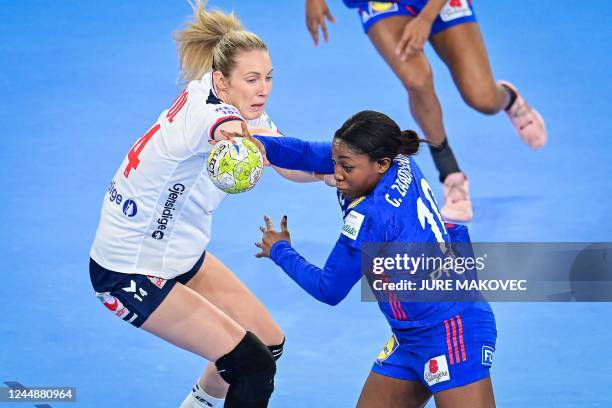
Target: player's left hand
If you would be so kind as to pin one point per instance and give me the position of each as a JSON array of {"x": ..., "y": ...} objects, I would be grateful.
[
  {"x": 230, "y": 136},
  {"x": 416, "y": 32},
  {"x": 270, "y": 236}
]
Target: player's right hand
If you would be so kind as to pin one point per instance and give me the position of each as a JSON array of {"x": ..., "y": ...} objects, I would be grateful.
[
  {"x": 247, "y": 135},
  {"x": 415, "y": 35},
  {"x": 316, "y": 12}
]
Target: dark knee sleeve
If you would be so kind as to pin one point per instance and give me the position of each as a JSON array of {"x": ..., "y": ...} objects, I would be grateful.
[
  {"x": 249, "y": 369},
  {"x": 277, "y": 350}
]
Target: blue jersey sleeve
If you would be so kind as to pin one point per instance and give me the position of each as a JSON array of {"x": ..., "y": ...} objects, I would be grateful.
[
  {"x": 296, "y": 154},
  {"x": 330, "y": 284}
]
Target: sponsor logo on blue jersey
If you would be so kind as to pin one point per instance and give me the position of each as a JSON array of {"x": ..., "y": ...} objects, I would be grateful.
[{"x": 352, "y": 224}]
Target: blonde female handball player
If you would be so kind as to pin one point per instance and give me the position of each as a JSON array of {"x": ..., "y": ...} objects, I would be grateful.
[{"x": 148, "y": 260}]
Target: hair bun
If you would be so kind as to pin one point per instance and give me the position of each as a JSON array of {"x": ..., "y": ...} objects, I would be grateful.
[{"x": 410, "y": 142}]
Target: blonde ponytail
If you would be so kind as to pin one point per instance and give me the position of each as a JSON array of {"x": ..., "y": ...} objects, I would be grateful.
[{"x": 211, "y": 41}]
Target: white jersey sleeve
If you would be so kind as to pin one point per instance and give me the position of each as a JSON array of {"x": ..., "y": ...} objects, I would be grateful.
[
  {"x": 202, "y": 122},
  {"x": 157, "y": 213}
]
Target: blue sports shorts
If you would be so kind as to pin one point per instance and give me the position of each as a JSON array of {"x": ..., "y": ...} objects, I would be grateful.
[
  {"x": 133, "y": 297},
  {"x": 454, "y": 12},
  {"x": 453, "y": 353}
]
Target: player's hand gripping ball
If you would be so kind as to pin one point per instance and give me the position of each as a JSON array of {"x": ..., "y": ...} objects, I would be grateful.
[{"x": 235, "y": 166}]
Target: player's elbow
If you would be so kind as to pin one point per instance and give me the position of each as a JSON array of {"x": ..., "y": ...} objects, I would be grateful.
[{"x": 333, "y": 299}]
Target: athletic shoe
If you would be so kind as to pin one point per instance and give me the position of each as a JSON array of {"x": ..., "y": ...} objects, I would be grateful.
[
  {"x": 457, "y": 205},
  {"x": 526, "y": 120}
]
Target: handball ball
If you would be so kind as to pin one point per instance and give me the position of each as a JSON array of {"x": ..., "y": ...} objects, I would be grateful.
[{"x": 235, "y": 167}]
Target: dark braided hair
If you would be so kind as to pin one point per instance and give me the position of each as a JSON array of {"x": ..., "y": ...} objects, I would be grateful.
[{"x": 378, "y": 136}]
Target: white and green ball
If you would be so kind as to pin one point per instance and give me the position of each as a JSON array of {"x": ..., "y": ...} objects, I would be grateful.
[{"x": 235, "y": 167}]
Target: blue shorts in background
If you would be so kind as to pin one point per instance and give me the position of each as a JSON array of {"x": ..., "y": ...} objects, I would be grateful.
[
  {"x": 454, "y": 12},
  {"x": 456, "y": 352}
]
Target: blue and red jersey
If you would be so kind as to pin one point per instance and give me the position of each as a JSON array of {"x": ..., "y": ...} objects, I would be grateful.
[{"x": 401, "y": 208}]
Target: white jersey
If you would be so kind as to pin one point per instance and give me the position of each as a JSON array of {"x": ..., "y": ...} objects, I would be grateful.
[{"x": 157, "y": 213}]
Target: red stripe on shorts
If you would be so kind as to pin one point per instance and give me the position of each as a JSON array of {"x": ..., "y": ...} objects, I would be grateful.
[
  {"x": 460, "y": 324},
  {"x": 455, "y": 343},
  {"x": 411, "y": 10},
  {"x": 448, "y": 344}
]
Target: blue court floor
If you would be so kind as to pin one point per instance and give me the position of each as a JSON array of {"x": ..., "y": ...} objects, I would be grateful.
[{"x": 81, "y": 81}]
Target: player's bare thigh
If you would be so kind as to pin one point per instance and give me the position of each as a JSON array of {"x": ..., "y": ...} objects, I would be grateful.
[
  {"x": 462, "y": 49},
  {"x": 381, "y": 391},
  {"x": 478, "y": 394},
  {"x": 385, "y": 35},
  {"x": 218, "y": 284},
  {"x": 188, "y": 320}
]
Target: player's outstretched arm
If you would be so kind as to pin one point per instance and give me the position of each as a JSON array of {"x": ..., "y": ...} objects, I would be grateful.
[
  {"x": 293, "y": 175},
  {"x": 283, "y": 157},
  {"x": 330, "y": 284},
  {"x": 296, "y": 154}
]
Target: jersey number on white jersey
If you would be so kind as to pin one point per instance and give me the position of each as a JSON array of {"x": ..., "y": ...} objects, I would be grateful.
[{"x": 133, "y": 160}]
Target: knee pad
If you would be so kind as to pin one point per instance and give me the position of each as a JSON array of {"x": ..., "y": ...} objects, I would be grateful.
[
  {"x": 249, "y": 369},
  {"x": 277, "y": 350}
]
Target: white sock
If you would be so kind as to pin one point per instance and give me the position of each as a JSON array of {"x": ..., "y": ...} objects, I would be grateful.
[{"x": 198, "y": 398}]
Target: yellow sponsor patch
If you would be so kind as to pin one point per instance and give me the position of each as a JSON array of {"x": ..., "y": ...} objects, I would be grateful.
[
  {"x": 387, "y": 350},
  {"x": 379, "y": 6},
  {"x": 376, "y": 8}
]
